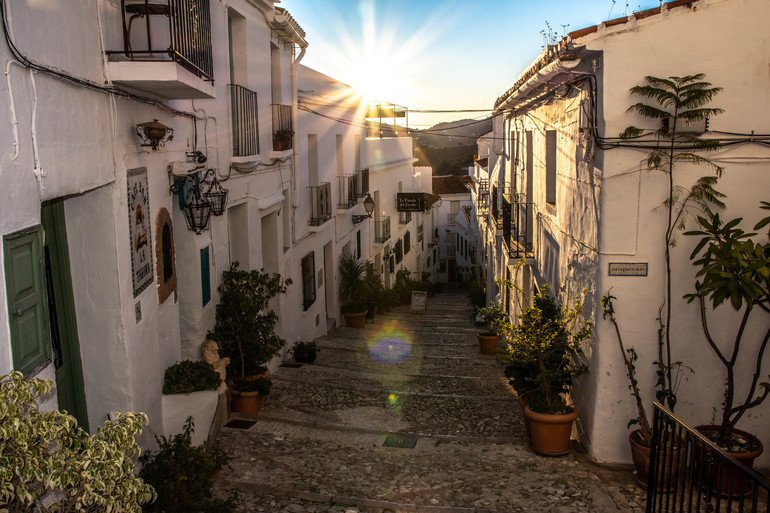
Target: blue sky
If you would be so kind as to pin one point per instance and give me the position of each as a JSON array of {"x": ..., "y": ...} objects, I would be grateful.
[{"x": 439, "y": 54}]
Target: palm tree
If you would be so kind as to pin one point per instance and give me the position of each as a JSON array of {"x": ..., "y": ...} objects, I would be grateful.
[{"x": 676, "y": 99}]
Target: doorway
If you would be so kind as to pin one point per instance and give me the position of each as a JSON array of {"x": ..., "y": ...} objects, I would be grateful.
[
  {"x": 61, "y": 311},
  {"x": 329, "y": 283}
]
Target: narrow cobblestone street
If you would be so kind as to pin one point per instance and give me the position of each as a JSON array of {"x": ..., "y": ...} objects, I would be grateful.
[{"x": 317, "y": 444}]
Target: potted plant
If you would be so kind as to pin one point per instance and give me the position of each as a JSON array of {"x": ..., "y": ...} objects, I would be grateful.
[
  {"x": 358, "y": 286},
  {"x": 182, "y": 474},
  {"x": 245, "y": 330},
  {"x": 189, "y": 390},
  {"x": 733, "y": 266},
  {"x": 497, "y": 322},
  {"x": 547, "y": 341},
  {"x": 304, "y": 352}
]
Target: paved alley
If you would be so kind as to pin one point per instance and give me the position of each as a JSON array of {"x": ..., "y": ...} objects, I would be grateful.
[{"x": 416, "y": 381}]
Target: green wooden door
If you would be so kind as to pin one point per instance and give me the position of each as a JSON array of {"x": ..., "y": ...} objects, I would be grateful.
[
  {"x": 61, "y": 314},
  {"x": 27, "y": 303}
]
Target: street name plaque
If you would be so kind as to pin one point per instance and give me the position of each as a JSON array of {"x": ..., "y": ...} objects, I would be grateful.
[{"x": 628, "y": 268}]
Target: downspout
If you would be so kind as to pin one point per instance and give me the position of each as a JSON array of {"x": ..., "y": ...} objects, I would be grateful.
[{"x": 295, "y": 124}]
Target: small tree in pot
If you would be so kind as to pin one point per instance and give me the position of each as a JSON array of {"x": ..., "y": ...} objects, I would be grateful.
[
  {"x": 546, "y": 342},
  {"x": 245, "y": 326},
  {"x": 498, "y": 325},
  {"x": 733, "y": 266},
  {"x": 358, "y": 286}
]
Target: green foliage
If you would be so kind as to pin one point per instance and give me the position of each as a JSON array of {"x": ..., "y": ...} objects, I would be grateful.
[
  {"x": 358, "y": 283},
  {"x": 496, "y": 319},
  {"x": 245, "y": 326},
  {"x": 44, "y": 452},
  {"x": 543, "y": 351},
  {"x": 261, "y": 385},
  {"x": 672, "y": 100},
  {"x": 731, "y": 265},
  {"x": 304, "y": 351},
  {"x": 182, "y": 475},
  {"x": 189, "y": 376},
  {"x": 477, "y": 295}
]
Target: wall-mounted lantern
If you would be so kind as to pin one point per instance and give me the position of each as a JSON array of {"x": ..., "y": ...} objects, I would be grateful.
[
  {"x": 368, "y": 206},
  {"x": 154, "y": 134},
  {"x": 196, "y": 205}
]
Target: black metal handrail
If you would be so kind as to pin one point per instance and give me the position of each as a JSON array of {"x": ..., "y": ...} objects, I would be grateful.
[
  {"x": 188, "y": 39},
  {"x": 245, "y": 121},
  {"x": 689, "y": 473},
  {"x": 283, "y": 127},
  {"x": 522, "y": 219}
]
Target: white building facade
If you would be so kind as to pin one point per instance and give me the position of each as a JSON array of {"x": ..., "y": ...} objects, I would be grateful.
[{"x": 565, "y": 205}]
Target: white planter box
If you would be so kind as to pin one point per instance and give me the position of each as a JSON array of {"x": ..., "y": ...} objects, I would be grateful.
[{"x": 201, "y": 406}]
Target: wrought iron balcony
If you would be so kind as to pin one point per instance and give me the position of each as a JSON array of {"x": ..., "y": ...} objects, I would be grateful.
[
  {"x": 483, "y": 186},
  {"x": 348, "y": 191},
  {"x": 283, "y": 128},
  {"x": 404, "y": 217},
  {"x": 519, "y": 237},
  {"x": 363, "y": 182},
  {"x": 245, "y": 121},
  {"x": 165, "y": 31},
  {"x": 382, "y": 230},
  {"x": 320, "y": 203}
]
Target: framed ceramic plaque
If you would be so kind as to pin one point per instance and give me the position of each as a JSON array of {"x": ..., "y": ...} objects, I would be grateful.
[{"x": 139, "y": 229}]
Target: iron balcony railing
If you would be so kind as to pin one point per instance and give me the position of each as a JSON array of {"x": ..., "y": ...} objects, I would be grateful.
[
  {"x": 404, "y": 217},
  {"x": 320, "y": 203},
  {"x": 689, "y": 473},
  {"x": 419, "y": 233},
  {"x": 245, "y": 121},
  {"x": 506, "y": 217},
  {"x": 363, "y": 182},
  {"x": 283, "y": 128},
  {"x": 185, "y": 37},
  {"x": 522, "y": 227},
  {"x": 347, "y": 187},
  {"x": 495, "y": 202},
  {"x": 382, "y": 230}
]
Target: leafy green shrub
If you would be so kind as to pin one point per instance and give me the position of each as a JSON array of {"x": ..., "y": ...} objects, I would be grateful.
[
  {"x": 245, "y": 326},
  {"x": 477, "y": 295},
  {"x": 47, "y": 453},
  {"x": 261, "y": 385},
  {"x": 541, "y": 357},
  {"x": 182, "y": 475},
  {"x": 188, "y": 376},
  {"x": 304, "y": 351}
]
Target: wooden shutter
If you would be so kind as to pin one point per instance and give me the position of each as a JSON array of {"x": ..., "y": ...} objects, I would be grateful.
[
  {"x": 27, "y": 302},
  {"x": 308, "y": 280}
]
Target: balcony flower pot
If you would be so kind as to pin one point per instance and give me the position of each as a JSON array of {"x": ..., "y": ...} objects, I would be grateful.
[
  {"x": 488, "y": 342},
  {"x": 745, "y": 448},
  {"x": 550, "y": 433}
]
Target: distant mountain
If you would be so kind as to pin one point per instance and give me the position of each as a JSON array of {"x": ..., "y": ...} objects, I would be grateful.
[{"x": 449, "y": 147}]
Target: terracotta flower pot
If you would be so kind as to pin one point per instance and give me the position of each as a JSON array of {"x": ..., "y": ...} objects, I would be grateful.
[
  {"x": 488, "y": 342},
  {"x": 247, "y": 403},
  {"x": 640, "y": 454},
  {"x": 550, "y": 434},
  {"x": 730, "y": 481},
  {"x": 355, "y": 320}
]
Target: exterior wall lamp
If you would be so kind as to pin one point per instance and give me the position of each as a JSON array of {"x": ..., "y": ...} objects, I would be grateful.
[
  {"x": 154, "y": 134},
  {"x": 196, "y": 205},
  {"x": 368, "y": 206}
]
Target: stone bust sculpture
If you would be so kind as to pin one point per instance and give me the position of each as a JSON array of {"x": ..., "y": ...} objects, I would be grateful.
[{"x": 210, "y": 354}]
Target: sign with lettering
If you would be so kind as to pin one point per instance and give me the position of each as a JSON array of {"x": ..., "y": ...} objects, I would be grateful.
[
  {"x": 139, "y": 229},
  {"x": 419, "y": 301},
  {"x": 410, "y": 202},
  {"x": 628, "y": 268}
]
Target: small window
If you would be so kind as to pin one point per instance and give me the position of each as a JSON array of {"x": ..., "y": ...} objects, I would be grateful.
[
  {"x": 308, "y": 280},
  {"x": 407, "y": 242},
  {"x": 205, "y": 276},
  {"x": 550, "y": 167}
]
